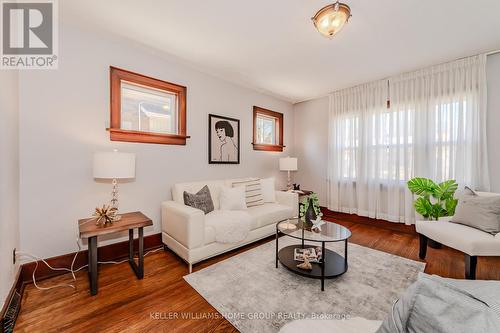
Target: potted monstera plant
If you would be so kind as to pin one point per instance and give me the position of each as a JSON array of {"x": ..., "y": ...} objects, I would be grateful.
[{"x": 434, "y": 200}]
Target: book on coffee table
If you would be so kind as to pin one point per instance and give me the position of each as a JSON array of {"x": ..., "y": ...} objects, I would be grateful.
[{"x": 311, "y": 253}]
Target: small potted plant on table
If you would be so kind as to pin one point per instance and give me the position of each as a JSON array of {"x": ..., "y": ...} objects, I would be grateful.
[{"x": 310, "y": 210}]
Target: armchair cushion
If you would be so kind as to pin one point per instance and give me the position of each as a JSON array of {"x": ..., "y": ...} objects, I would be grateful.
[
  {"x": 469, "y": 240},
  {"x": 478, "y": 211}
]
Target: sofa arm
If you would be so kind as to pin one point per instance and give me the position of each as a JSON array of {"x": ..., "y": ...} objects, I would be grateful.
[
  {"x": 185, "y": 224},
  {"x": 445, "y": 218},
  {"x": 289, "y": 199}
]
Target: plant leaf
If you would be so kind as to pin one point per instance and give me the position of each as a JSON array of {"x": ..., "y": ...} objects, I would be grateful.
[
  {"x": 438, "y": 211},
  {"x": 445, "y": 190},
  {"x": 423, "y": 206},
  {"x": 450, "y": 205},
  {"x": 422, "y": 186}
]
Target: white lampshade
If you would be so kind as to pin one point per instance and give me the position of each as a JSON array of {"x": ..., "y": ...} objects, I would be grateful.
[
  {"x": 114, "y": 165},
  {"x": 288, "y": 164}
]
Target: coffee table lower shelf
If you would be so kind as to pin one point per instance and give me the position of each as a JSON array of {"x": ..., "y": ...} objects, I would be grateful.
[{"x": 335, "y": 264}]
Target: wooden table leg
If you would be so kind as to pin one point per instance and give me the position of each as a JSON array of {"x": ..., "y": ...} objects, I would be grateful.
[
  {"x": 92, "y": 262},
  {"x": 139, "y": 267},
  {"x": 130, "y": 244},
  {"x": 141, "y": 253}
]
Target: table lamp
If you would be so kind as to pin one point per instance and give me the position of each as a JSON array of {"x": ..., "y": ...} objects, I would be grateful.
[
  {"x": 288, "y": 164},
  {"x": 114, "y": 165}
]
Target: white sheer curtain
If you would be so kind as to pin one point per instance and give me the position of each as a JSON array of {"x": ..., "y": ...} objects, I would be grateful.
[{"x": 435, "y": 127}]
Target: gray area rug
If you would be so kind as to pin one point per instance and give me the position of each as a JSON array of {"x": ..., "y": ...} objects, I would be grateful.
[{"x": 254, "y": 296}]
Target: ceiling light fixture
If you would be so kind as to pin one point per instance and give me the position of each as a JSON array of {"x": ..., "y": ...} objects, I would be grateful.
[{"x": 330, "y": 19}]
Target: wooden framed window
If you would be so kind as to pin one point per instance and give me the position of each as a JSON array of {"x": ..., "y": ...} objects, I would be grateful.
[
  {"x": 267, "y": 130},
  {"x": 147, "y": 110}
]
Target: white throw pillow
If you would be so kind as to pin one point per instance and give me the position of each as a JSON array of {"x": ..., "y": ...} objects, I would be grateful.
[
  {"x": 232, "y": 198},
  {"x": 268, "y": 189}
]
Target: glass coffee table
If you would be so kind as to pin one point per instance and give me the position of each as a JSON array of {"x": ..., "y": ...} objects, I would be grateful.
[{"x": 330, "y": 265}]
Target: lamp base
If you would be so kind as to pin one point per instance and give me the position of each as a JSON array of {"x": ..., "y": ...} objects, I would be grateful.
[
  {"x": 114, "y": 199},
  {"x": 289, "y": 182}
]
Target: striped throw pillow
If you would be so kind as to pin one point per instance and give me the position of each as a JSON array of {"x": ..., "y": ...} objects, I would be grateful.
[{"x": 253, "y": 192}]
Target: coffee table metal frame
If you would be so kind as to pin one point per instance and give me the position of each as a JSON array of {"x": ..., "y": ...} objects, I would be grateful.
[{"x": 331, "y": 265}]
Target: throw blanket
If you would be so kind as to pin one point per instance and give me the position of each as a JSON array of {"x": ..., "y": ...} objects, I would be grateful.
[{"x": 231, "y": 226}]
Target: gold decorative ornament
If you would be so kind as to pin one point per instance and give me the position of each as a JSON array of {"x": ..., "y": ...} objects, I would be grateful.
[
  {"x": 105, "y": 215},
  {"x": 306, "y": 265}
]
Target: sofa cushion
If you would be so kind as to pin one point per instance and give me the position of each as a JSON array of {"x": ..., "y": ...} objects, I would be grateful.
[
  {"x": 200, "y": 200},
  {"x": 253, "y": 191},
  {"x": 213, "y": 185},
  {"x": 268, "y": 189},
  {"x": 478, "y": 211},
  {"x": 269, "y": 213},
  {"x": 469, "y": 240},
  {"x": 232, "y": 198}
]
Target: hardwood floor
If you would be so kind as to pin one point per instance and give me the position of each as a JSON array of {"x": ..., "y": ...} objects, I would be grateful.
[{"x": 158, "y": 302}]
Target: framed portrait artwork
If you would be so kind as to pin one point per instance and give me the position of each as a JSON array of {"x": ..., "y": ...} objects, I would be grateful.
[{"x": 223, "y": 140}]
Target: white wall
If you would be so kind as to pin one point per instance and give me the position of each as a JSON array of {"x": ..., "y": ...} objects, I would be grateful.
[
  {"x": 63, "y": 116},
  {"x": 311, "y": 136},
  {"x": 9, "y": 179},
  {"x": 493, "y": 76},
  {"x": 311, "y": 143}
]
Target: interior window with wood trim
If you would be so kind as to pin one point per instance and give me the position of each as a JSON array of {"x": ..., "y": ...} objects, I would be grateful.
[
  {"x": 147, "y": 110},
  {"x": 267, "y": 130}
]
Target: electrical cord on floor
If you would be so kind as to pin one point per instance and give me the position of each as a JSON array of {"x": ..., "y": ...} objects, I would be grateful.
[{"x": 71, "y": 269}]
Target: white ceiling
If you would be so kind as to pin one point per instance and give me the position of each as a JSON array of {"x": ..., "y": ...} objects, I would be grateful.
[{"x": 271, "y": 45}]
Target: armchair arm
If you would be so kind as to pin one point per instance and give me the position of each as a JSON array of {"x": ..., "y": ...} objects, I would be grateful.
[
  {"x": 289, "y": 199},
  {"x": 185, "y": 224}
]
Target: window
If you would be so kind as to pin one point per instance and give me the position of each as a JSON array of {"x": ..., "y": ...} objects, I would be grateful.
[
  {"x": 146, "y": 110},
  {"x": 267, "y": 130},
  {"x": 390, "y": 137}
]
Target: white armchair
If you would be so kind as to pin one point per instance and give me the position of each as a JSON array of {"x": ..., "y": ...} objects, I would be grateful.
[{"x": 472, "y": 242}]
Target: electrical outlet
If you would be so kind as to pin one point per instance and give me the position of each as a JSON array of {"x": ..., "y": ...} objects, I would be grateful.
[{"x": 14, "y": 256}]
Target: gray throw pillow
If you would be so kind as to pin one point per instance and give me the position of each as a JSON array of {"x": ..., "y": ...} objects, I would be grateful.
[
  {"x": 477, "y": 211},
  {"x": 201, "y": 200}
]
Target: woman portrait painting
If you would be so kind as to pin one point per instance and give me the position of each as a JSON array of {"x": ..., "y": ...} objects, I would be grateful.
[{"x": 223, "y": 139}]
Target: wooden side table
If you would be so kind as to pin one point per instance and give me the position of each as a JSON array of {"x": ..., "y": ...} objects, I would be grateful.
[{"x": 129, "y": 221}]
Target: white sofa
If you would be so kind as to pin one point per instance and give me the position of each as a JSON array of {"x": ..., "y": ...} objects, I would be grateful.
[
  {"x": 473, "y": 242},
  {"x": 185, "y": 232}
]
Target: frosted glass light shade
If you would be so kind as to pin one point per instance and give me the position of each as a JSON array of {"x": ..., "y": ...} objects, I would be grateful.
[
  {"x": 288, "y": 164},
  {"x": 114, "y": 165},
  {"x": 330, "y": 19}
]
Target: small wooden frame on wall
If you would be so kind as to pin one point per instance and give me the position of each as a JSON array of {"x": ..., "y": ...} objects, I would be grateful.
[
  {"x": 267, "y": 141},
  {"x": 146, "y": 110}
]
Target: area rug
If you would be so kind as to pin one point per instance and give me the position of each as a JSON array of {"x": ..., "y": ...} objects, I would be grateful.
[{"x": 255, "y": 296}]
